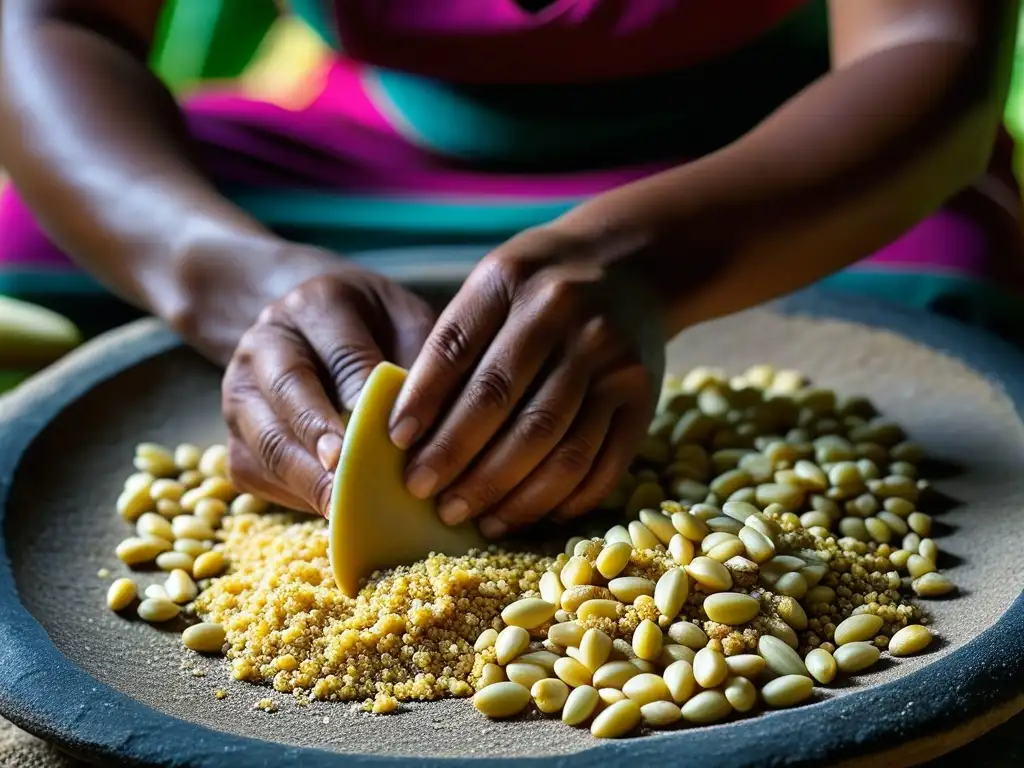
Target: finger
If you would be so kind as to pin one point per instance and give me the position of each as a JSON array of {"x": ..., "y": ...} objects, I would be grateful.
[
  {"x": 626, "y": 431},
  {"x": 288, "y": 375},
  {"x": 462, "y": 333},
  {"x": 413, "y": 327},
  {"x": 340, "y": 338},
  {"x": 534, "y": 431},
  {"x": 487, "y": 400},
  {"x": 280, "y": 457},
  {"x": 247, "y": 475},
  {"x": 558, "y": 475},
  {"x": 530, "y": 437}
]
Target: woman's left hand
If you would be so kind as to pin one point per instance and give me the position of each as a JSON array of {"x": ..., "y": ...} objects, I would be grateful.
[{"x": 534, "y": 387}]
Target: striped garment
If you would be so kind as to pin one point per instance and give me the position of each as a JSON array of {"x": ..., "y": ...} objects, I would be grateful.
[{"x": 461, "y": 122}]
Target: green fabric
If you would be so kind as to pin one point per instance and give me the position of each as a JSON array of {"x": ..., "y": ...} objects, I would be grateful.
[
  {"x": 209, "y": 39},
  {"x": 616, "y": 122},
  {"x": 10, "y": 379},
  {"x": 1015, "y": 102}
]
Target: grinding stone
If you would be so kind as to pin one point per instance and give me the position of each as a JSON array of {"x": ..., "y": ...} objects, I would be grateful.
[{"x": 77, "y": 673}]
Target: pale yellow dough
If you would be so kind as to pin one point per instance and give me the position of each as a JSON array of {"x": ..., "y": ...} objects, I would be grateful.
[{"x": 375, "y": 522}]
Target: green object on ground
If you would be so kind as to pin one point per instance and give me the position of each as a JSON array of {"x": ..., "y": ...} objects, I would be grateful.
[
  {"x": 10, "y": 379},
  {"x": 1014, "y": 113},
  {"x": 201, "y": 40}
]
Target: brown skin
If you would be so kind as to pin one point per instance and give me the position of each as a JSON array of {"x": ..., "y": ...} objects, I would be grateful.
[
  {"x": 535, "y": 384},
  {"x": 906, "y": 119},
  {"x": 98, "y": 148}
]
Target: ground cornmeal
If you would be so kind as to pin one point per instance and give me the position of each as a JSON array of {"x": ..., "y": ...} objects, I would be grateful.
[
  {"x": 408, "y": 635},
  {"x": 805, "y": 502}
]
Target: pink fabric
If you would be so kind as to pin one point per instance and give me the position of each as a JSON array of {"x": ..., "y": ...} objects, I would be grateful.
[
  {"x": 342, "y": 142},
  {"x": 949, "y": 242},
  {"x": 22, "y": 241}
]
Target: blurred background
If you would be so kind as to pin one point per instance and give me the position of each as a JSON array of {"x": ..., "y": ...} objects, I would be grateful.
[
  {"x": 271, "y": 50},
  {"x": 270, "y": 54}
]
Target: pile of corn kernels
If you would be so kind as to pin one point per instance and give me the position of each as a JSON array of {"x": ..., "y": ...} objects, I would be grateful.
[{"x": 771, "y": 536}]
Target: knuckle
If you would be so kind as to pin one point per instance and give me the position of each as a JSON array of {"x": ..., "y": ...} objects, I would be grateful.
[
  {"x": 482, "y": 492},
  {"x": 539, "y": 424},
  {"x": 575, "y": 455},
  {"x": 555, "y": 291},
  {"x": 272, "y": 448},
  {"x": 231, "y": 416},
  {"x": 308, "y": 426},
  {"x": 235, "y": 389},
  {"x": 559, "y": 295},
  {"x": 271, "y": 314},
  {"x": 346, "y": 360},
  {"x": 449, "y": 344},
  {"x": 245, "y": 351},
  {"x": 500, "y": 267},
  {"x": 322, "y": 493},
  {"x": 306, "y": 423},
  {"x": 313, "y": 292},
  {"x": 240, "y": 469},
  {"x": 501, "y": 273},
  {"x": 283, "y": 384},
  {"x": 443, "y": 453},
  {"x": 296, "y": 300},
  {"x": 600, "y": 335},
  {"x": 490, "y": 389}
]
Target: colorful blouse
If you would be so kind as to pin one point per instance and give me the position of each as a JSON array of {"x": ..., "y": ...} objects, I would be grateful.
[{"x": 455, "y": 123}]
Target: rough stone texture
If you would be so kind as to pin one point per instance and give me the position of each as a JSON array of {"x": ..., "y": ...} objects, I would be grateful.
[
  {"x": 21, "y": 750},
  {"x": 61, "y": 529}
]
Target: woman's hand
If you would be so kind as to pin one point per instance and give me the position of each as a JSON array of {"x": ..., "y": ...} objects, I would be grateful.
[
  {"x": 306, "y": 357},
  {"x": 534, "y": 387}
]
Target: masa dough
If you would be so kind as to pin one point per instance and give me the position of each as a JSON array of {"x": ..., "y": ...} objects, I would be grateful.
[{"x": 375, "y": 522}]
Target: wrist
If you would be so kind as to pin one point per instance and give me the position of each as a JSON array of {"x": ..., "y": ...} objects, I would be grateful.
[
  {"x": 217, "y": 287},
  {"x": 633, "y": 251},
  {"x": 678, "y": 230}
]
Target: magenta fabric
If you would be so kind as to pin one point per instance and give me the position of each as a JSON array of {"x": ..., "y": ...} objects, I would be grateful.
[{"x": 347, "y": 145}]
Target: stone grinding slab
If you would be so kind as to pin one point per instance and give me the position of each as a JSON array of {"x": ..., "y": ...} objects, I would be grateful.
[{"x": 60, "y": 528}]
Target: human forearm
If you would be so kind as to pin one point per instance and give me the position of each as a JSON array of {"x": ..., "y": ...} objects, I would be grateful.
[
  {"x": 98, "y": 148},
  {"x": 840, "y": 170}
]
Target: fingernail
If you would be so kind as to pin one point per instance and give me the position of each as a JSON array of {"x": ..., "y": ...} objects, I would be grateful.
[
  {"x": 454, "y": 511},
  {"x": 403, "y": 434},
  {"x": 328, "y": 450},
  {"x": 421, "y": 482},
  {"x": 493, "y": 527}
]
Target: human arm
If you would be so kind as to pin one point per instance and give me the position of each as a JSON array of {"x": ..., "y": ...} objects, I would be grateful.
[
  {"x": 101, "y": 152},
  {"x": 99, "y": 149},
  {"x": 905, "y": 119}
]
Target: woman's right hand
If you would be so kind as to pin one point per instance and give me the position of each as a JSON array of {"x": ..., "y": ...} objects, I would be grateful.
[{"x": 304, "y": 360}]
